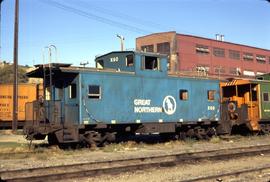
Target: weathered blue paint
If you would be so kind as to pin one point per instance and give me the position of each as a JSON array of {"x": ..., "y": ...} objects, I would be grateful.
[
  {"x": 120, "y": 89},
  {"x": 79, "y": 87}
]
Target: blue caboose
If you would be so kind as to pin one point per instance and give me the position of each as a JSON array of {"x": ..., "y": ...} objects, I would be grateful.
[{"x": 128, "y": 92}]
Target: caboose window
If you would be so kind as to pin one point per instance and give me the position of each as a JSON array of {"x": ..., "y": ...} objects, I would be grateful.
[
  {"x": 150, "y": 63},
  {"x": 100, "y": 64},
  {"x": 129, "y": 60},
  {"x": 72, "y": 91},
  {"x": 94, "y": 92},
  {"x": 211, "y": 95},
  {"x": 47, "y": 93},
  {"x": 183, "y": 95},
  {"x": 266, "y": 97}
]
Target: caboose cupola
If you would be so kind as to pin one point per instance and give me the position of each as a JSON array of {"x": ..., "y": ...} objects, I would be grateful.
[{"x": 141, "y": 63}]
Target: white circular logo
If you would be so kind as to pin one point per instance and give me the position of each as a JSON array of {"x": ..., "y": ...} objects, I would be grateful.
[{"x": 169, "y": 105}]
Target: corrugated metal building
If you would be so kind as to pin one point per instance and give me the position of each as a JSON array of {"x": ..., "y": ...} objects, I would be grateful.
[{"x": 190, "y": 54}]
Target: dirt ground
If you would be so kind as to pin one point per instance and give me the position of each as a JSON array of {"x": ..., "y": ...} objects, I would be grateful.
[{"x": 48, "y": 156}]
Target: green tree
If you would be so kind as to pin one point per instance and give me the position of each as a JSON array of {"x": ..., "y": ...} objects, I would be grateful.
[{"x": 6, "y": 74}]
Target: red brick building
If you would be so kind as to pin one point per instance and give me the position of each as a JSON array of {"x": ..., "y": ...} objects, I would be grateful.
[{"x": 192, "y": 54}]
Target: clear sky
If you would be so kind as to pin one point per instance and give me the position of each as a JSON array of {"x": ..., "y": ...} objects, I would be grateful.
[{"x": 82, "y": 29}]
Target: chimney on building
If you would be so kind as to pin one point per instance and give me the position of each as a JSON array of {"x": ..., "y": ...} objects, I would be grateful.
[
  {"x": 222, "y": 38},
  {"x": 218, "y": 37}
]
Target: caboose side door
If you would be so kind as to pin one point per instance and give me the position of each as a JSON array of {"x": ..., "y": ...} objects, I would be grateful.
[
  {"x": 251, "y": 99},
  {"x": 71, "y": 108},
  {"x": 66, "y": 95}
]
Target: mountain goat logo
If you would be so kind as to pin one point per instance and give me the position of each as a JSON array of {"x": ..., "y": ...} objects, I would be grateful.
[{"x": 169, "y": 105}]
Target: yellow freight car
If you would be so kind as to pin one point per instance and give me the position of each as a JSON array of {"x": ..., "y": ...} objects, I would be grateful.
[{"x": 26, "y": 93}]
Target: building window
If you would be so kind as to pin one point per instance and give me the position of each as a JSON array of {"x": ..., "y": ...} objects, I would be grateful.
[
  {"x": 266, "y": 97},
  {"x": 234, "y": 54},
  {"x": 218, "y": 52},
  {"x": 248, "y": 56},
  {"x": 235, "y": 71},
  {"x": 163, "y": 48},
  {"x": 129, "y": 60},
  {"x": 94, "y": 92},
  {"x": 147, "y": 48},
  {"x": 261, "y": 59},
  {"x": 202, "y": 49},
  {"x": 211, "y": 95},
  {"x": 219, "y": 69},
  {"x": 72, "y": 91},
  {"x": 260, "y": 73},
  {"x": 202, "y": 68},
  {"x": 248, "y": 73},
  {"x": 150, "y": 63},
  {"x": 183, "y": 94}
]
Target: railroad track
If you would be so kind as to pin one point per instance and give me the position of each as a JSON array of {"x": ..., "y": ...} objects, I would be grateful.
[
  {"x": 125, "y": 165},
  {"x": 220, "y": 177}
]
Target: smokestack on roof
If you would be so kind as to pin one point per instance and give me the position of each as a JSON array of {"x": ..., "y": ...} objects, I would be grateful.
[
  {"x": 222, "y": 38},
  {"x": 219, "y": 37}
]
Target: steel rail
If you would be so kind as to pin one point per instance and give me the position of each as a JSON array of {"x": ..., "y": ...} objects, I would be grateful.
[
  {"x": 124, "y": 165},
  {"x": 218, "y": 177}
]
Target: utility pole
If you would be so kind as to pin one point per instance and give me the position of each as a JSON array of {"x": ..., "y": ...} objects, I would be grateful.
[
  {"x": 0, "y": 27},
  {"x": 15, "y": 70}
]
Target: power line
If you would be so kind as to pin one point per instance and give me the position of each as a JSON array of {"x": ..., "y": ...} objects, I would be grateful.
[
  {"x": 127, "y": 17},
  {"x": 95, "y": 17},
  {"x": 99, "y": 18},
  {"x": 120, "y": 15},
  {"x": 123, "y": 16}
]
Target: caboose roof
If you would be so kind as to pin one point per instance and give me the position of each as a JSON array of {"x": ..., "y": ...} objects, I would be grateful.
[
  {"x": 41, "y": 68},
  {"x": 67, "y": 69},
  {"x": 242, "y": 81},
  {"x": 133, "y": 52}
]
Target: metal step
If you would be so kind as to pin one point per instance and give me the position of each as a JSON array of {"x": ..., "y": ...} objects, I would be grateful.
[{"x": 68, "y": 135}]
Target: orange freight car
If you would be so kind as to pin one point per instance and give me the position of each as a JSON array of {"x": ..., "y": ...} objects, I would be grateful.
[{"x": 26, "y": 93}]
